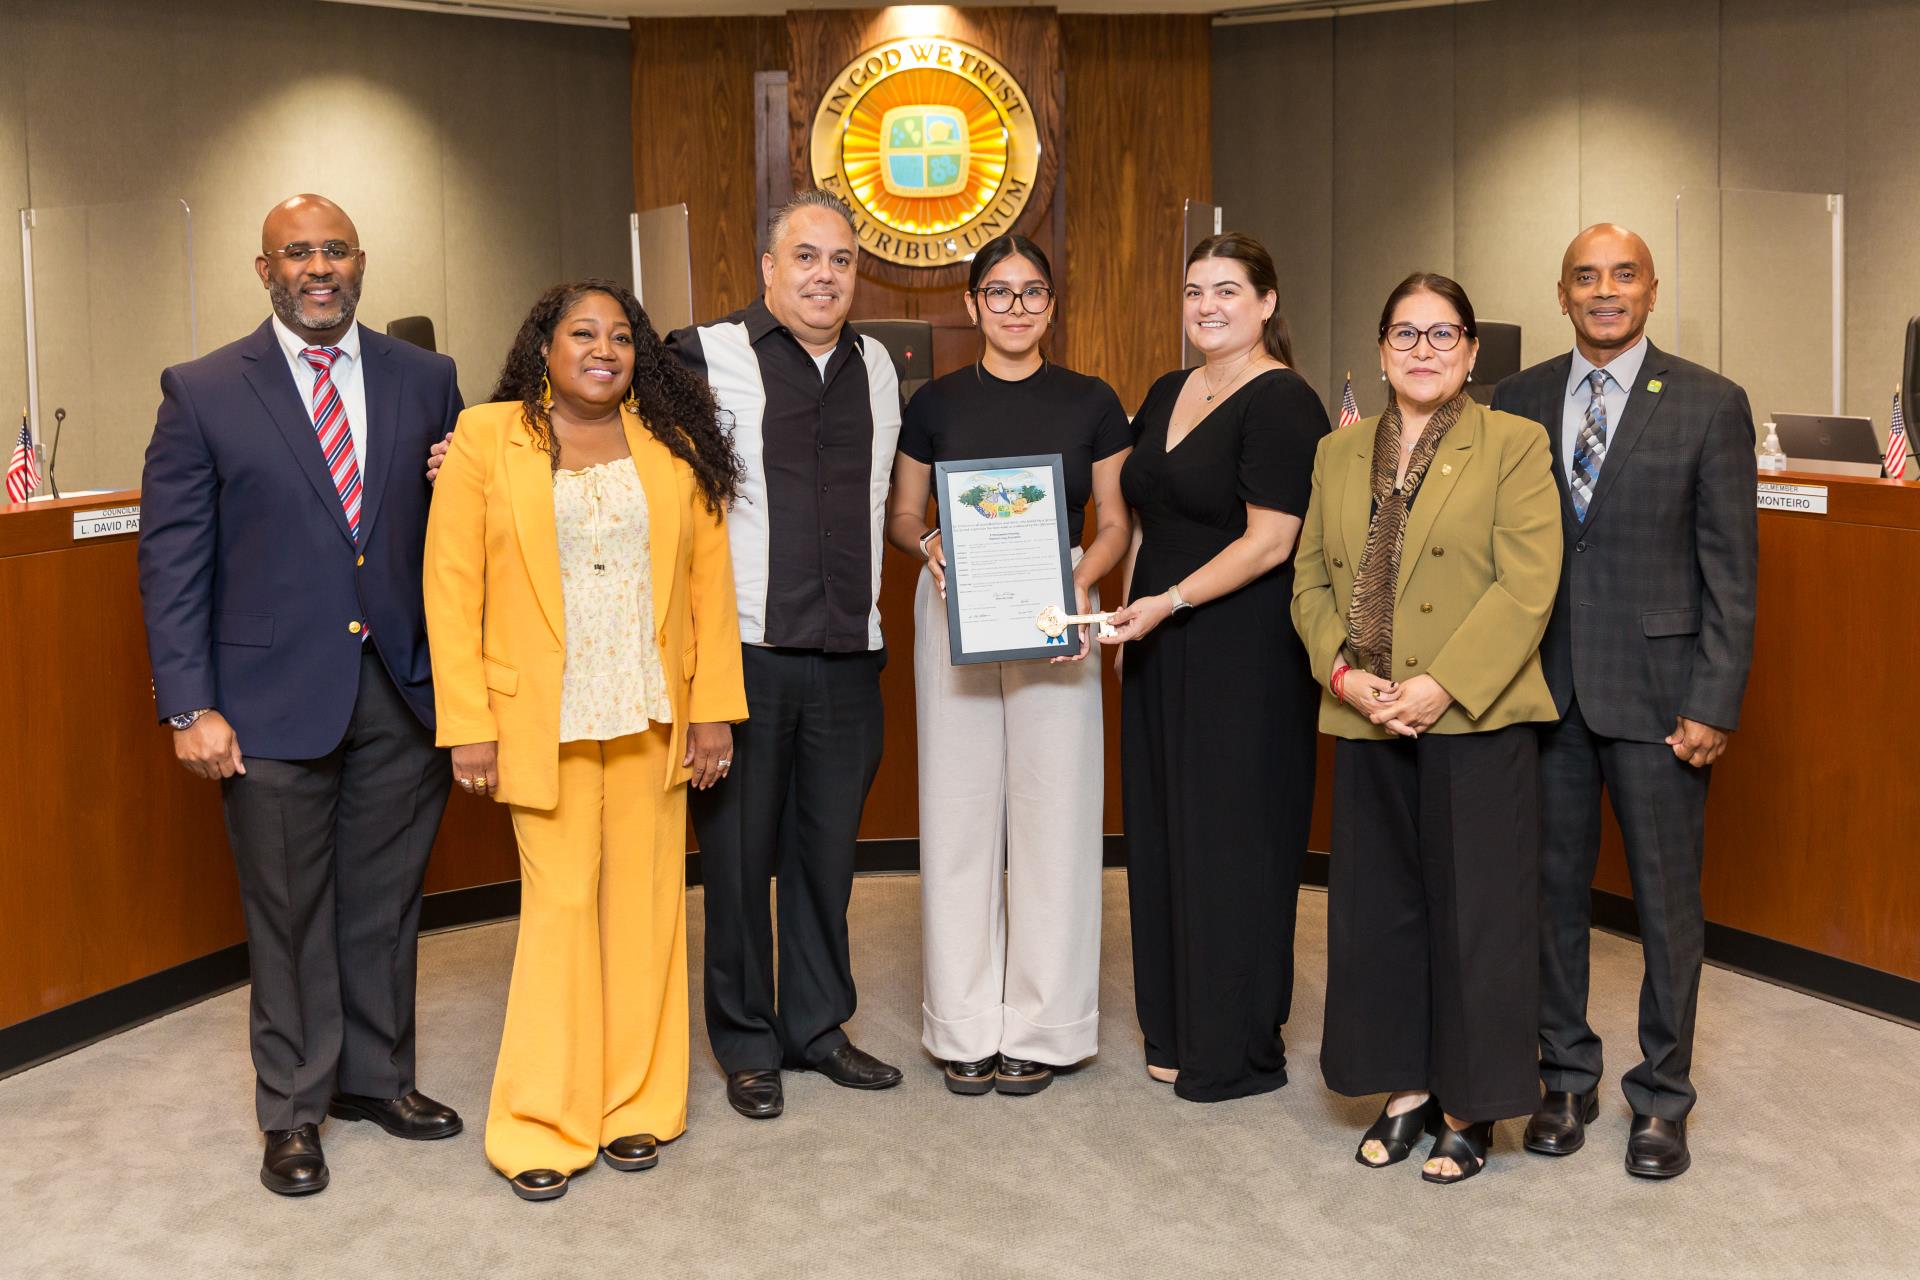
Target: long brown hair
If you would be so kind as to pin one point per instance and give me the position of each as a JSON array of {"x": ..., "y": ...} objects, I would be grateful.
[{"x": 1258, "y": 264}]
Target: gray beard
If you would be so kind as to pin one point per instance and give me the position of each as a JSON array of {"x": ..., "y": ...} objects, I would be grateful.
[{"x": 286, "y": 305}]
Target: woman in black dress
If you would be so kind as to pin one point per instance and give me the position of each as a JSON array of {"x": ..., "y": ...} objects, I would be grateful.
[{"x": 1217, "y": 703}]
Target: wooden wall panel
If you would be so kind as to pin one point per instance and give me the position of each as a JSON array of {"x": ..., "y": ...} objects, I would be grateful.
[
  {"x": 1138, "y": 126},
  {"x": 114, "y": 862},
  {"x": 693, "y": 140}
]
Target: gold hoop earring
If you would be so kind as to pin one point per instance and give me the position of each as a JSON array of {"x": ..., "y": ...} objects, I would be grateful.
[
  {"x": 546, "y": 392},
  {"x": 632, "y": 402}
]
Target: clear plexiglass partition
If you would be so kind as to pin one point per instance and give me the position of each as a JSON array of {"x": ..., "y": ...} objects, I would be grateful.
[
  {"x": 109, "y": 305},
  {"x": 1198, "y": 220},
  {"x": 1761, "y": 280},
  {"x": 663, "y": 265}
]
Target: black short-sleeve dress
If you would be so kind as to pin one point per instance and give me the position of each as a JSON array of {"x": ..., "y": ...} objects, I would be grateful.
[{"x": 1217, "y": 741}]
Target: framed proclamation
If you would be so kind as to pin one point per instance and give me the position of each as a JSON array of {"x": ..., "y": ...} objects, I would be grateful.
[{"x": 1003, "y": 524}]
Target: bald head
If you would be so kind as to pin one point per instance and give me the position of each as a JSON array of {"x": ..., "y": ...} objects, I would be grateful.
[
  {"x": 1607, "y": 288},
  {"x": 306, "y": 212},
  {"x": 310, "y": 264},
  {"x": 1609, "y": 241}
]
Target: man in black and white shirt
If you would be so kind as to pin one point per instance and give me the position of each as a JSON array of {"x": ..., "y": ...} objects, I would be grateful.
[{"x": 815, "y": 412}]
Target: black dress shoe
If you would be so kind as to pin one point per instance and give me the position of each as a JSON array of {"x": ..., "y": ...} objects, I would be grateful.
[
  {"x": 972, "y": 1077},
  {"x": 294, "y": 1164},
  {"x": 539, "y": 1184},
  {"x": 1019, "y": 1077},
  {"x": 637, "y": 1151},
  {"x": 1559, "y": 1125},
  {"x": 414, "y": 1116},
  {"x": 756, "y": 1094},
  {"x": 1657, "y": 1148},
  {"x": 854, "y": 1068}
]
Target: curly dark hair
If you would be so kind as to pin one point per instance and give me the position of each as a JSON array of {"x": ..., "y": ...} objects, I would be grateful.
[{"x": 677, "y": 406}]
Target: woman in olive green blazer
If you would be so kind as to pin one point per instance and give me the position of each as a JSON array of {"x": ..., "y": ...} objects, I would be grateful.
[{"x": 1425, "y": 572}]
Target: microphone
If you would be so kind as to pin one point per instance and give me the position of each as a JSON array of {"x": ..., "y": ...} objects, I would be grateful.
[{"x": 59, "y": 420}]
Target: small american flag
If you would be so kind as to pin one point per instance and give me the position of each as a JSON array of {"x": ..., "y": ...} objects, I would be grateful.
[
  {"x": 1349, "y": 411},
  {"x": 1896, "y": 460},
  {"x": 23, "y": 469}
]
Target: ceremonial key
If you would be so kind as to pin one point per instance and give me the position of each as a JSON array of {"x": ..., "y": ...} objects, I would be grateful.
[{"x": 1053, "y": 623}]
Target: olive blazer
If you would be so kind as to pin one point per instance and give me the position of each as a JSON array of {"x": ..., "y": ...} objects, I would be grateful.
[
  {"x": 496, "y": 619},
  {"x": 1478, "y": 571}
]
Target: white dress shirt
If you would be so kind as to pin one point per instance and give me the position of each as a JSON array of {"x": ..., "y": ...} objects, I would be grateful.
[
  {"x": 1622, "y": 371},
  {"x": 346, "y": 380}
]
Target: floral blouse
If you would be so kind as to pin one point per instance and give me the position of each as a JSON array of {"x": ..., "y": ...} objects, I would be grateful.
[{"x": 614, "y": 683}]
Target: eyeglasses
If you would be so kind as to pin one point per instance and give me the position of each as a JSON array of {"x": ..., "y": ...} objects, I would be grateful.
[
  {"x": 333, "y": 250},
  {"x": 1034, "y": 299},
  {"x": 1441, "y": 337}
]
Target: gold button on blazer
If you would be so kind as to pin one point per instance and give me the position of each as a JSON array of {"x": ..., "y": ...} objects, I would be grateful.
[
  {"x": 1488, "y": 502},
  {"x": 496, "y": 621}
]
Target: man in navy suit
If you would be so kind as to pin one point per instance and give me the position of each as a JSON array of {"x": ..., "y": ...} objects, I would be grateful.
[{"x": 284, "y": 518}]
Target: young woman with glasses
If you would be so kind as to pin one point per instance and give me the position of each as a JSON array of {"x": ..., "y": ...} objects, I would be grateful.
[
  {"x": 1011, "y": 764},
  {"x": 1216, "y": 702},
  {"x": 1427, "y": 567}
]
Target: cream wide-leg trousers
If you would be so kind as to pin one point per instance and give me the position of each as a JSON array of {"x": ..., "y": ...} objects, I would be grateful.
[{"x": 1011, "y": 760}]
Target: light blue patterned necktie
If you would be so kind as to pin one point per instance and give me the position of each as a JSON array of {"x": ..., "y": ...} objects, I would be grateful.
[{"x": 1590, "y": 450}]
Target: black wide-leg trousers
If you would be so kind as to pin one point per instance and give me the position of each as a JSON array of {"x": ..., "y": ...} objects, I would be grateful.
[
  {"x": 331, "y": 855},
  {"x": 789, "y": 808},
  {"x": 1432, "y": 920},
  {"x": 1661, "y": 804}
]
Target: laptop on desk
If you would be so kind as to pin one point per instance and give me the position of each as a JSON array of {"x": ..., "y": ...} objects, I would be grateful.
[{"x": 1828, "y": 443}]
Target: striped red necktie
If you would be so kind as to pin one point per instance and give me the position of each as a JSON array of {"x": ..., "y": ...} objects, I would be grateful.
[{"x": 336, "y": 438}]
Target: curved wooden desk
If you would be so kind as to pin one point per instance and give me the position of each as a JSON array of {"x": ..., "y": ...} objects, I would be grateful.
[{"x": 114, "y": 865}]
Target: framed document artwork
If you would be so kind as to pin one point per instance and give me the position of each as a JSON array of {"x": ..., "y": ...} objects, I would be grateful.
[{"x": 1003, "y": 523}]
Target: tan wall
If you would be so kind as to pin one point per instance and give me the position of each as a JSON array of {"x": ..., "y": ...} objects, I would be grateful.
[
  {"x": 1477, "y": 139},
  {"x": 481, "y": 159}
]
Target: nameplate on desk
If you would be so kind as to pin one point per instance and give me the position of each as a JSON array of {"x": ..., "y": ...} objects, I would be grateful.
[
  {"x": 1807, "y": 499},
  {"x": 106, "y": 522}
]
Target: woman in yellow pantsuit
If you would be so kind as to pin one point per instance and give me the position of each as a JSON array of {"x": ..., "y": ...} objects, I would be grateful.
[{"x": 586, "y": 668}]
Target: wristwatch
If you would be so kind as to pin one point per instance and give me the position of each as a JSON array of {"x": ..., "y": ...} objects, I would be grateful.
[
  {"x": 927, "y": 537},
  {"x": 186, "y": 718},
  {"x": 1179, "y": 602}
]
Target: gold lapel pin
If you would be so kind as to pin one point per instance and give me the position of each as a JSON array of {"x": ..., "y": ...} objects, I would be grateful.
[
  {"x": 1654, "y": 386},
  {"x": 1446, "y": 468}
]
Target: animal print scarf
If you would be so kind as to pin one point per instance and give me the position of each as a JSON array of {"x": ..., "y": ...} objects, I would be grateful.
[{"x": 1376, "y": 586}]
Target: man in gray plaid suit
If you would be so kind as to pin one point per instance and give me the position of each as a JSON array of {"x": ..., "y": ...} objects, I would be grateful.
[{"x": 1647, "y": 655}]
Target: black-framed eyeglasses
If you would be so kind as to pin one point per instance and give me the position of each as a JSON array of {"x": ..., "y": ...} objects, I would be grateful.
[
  {"x": 1441, "y": 337},
  {"x": 332, "y": 250},
  {"x": 999, "y": 298}
]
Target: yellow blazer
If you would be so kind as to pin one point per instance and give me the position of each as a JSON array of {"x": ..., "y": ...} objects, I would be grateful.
[
  {"x": 1478, "y": 571},
  {"x": 496, "y": 621}
]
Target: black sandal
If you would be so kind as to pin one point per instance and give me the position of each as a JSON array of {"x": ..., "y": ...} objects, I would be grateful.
[
  {"x": 1398, "y": 1133},
  {"x": 1467, "y": 1148}
]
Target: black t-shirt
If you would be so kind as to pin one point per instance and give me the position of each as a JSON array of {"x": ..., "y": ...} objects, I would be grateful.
[{"x": 969, "y": 413}]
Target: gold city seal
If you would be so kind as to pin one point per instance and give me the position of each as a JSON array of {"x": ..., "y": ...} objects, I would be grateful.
[{"x": 933, "y": 145}]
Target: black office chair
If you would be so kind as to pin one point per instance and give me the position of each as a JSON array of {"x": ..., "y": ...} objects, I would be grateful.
[
  {"x": 415, "y": 329},
  {"x": 910, "y": 343},
  {"x": 1499, "y": 357}
]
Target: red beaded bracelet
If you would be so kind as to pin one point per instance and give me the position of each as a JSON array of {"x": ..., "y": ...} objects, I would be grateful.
[{"x": 1339, "y": 676}]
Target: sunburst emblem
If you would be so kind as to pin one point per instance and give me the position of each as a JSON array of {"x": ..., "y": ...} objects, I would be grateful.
[{"x": 933, "y": 142}]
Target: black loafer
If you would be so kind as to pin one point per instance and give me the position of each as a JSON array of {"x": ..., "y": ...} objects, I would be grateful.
[
  {"x": 756, "y": 1094},
  {"x": 294, "y": 1164},
  {"x": 1657, "y": 1148},
  {"x": 539, "y": 1184},
  {"x": 1019, "y": 1077},
  {"x": 414, "y": 1116},
  {"x": 853, "y": 1068},
  {"x": 1559, "y": 1125},
  {"x": 972, "y": 1077},
  {"x": 637, "y": 1151}
]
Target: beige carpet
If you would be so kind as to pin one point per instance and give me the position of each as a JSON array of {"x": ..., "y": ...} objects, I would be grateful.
[{"x": 137, "y": 1158}]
